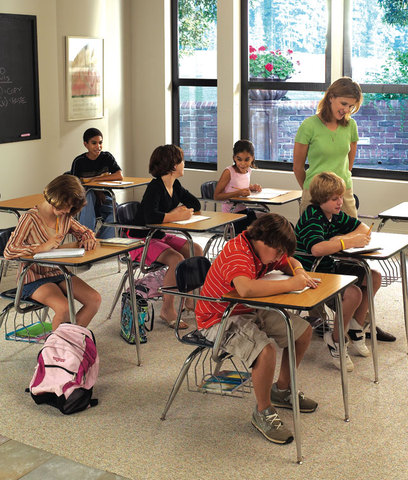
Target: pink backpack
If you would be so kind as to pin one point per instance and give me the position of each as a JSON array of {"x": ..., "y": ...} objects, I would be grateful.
[{"x": 67, "y": 369}]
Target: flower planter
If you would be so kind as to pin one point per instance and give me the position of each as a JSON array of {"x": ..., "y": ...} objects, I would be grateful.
[{"x": 262, "y": 95}]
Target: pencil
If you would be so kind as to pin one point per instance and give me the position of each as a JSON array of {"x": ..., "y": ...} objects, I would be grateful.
[
  {"x": 290, "y": 265},
  {"x": 372, "y": 225},
  {"x": 56, "y": 226}
]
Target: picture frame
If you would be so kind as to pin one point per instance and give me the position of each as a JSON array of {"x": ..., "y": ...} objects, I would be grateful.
[{"x": 84, "y": 78}]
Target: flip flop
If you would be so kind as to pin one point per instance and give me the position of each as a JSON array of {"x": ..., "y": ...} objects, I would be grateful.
[{"x": 182, "y": 325}]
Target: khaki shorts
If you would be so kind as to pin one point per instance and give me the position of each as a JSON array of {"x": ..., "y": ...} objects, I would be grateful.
[
  {"x": 248, "y": 334},
  {"x": 349, "y": 204}
]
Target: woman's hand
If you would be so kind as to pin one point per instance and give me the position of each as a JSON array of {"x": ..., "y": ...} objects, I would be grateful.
[
  {"x": 255, "y": 188},
  {"x": 183, "y": 213},
  {"x": 88, "y": 244},
  {"x": 242, "y": 192}
]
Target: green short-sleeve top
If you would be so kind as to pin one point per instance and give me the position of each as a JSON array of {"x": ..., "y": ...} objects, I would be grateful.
[{"x": 328, "y": 150}]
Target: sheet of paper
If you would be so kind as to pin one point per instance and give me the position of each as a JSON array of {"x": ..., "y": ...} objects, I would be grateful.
[
  {"x": 115, "y": 182},
  {"x": 268, "y": 193},
  {"x": 61, "y": 253},
  {"x": 193, "y": 219},
  {"x": 282, "y": 276},
  {"x": 371, "y": 247}
]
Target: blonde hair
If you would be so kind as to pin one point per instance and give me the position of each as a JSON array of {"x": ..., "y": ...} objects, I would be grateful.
[
  {"x": 324, "y": 185},
  {"x": 66, "y": 191},
  {"x": 342, "y": 87}
]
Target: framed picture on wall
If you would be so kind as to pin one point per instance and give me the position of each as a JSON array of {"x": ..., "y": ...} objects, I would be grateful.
[{"x": 84, "y": 78}]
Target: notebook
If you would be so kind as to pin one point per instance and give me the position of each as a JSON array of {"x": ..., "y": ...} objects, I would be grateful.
[
  {"x": 371, "y": 247},
  {"x": 193, "y": 219},
  {"x": 268, "y": 193},
  {"x": 116, "y": 182},
  {"x": 61, "y": 253},
  {"x": 121, "y": 241}
]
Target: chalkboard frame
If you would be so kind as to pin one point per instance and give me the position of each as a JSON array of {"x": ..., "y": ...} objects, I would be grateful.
[{"x": 29, "y": 22}]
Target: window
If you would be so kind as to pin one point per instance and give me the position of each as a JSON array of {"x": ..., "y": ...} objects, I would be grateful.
[
  {"x": 285, "y": 69},
  {"x": 194, "y": 81},
  {"x": 375, "y": 54}
]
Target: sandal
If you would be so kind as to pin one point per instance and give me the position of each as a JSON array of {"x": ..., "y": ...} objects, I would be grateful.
[{"x": 172, "y": 324}]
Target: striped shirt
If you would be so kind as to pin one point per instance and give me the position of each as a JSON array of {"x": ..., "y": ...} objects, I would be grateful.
[
  {"x": 31, "y": 231},
  {"x": 314, "y": 227},
  {"x": 237, "y": 258}
]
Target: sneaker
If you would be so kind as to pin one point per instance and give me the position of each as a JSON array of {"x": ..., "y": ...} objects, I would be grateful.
[
  {"x": 334, "y": 349},
  {"x": 283, "y": 399},
  {"x": 271, "y": 426},
  {"x": 357, "y": 338}
]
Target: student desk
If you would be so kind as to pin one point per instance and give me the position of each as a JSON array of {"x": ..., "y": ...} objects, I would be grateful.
[
  {"x": 20, "y": 204},
  {"x": 392, "y": 244},
  {"x": 399, "y": 213},
  {"x": 101, "y": 252},
  {"x": 331, "y": 285},
  {"x": 216, "y": 220},
  {"x": 283, "y": 199}
]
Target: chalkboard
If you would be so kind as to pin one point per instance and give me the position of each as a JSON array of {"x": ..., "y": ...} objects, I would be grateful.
[{"x": 19, "y": 97}]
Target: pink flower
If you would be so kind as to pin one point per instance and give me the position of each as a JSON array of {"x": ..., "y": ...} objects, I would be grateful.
[
  {"x": 253, "y": 56},
  {"x": 269, "y": 67},
  {"x": 273, "y": 53},
  {"x": 290, "y": 51},
  {"x": 252, "y": 49},
  {"x": 261, "y": 49},
  {"x": 297, "y": 62}
]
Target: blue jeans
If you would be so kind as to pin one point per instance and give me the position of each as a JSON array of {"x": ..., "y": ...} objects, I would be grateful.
[{"x": 87, "y": 216}]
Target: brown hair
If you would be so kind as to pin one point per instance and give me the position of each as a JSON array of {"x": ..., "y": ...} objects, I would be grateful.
[
  {"x": 342, "y": 87},
  {"x": 274, "y": 231},
  {"x": 244, "y": 146},
  {"x": 64, "y": 191},
  {"x": 164, "y": 160},
  {"x": 325, "y": 185}
]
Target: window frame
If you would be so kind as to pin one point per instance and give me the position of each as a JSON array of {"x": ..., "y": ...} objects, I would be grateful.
[{"x": 178, "y": 82}]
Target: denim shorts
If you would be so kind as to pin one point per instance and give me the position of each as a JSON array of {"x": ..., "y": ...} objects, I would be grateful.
[{"x": 30, "y": 288}]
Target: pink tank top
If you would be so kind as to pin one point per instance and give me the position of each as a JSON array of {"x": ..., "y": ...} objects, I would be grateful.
[{"x": 238, "y": 180}]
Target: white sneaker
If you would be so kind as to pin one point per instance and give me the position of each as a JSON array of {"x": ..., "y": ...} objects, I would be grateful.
[
  {"x": 357, "y": 338},
  {"x": 334, "y": 349}
]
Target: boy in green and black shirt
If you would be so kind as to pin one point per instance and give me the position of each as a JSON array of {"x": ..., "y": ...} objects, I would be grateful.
[{"x": 322, "y": 230}]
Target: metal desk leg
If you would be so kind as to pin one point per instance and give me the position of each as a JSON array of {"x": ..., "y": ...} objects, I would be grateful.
[
  {"x": 293, "y": 385},
  {"x": 371, "y": 312},
  {"x": 404, "y": 289},
  {"x": 70, "y": 294},
  {"x": 343, "y": 369},
  {"x": 381, "y": 224},
  {"x": 134, "y": 306}
]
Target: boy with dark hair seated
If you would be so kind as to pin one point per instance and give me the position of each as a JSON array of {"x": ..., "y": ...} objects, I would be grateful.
[
  {"x": 249, "y": 334},
  {"x": 323, "y": 229}
]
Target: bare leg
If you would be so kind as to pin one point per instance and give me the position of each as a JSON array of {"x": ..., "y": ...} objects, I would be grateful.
[
  {"x": 50, "y": 294},
  {"x": 301, "y": 345},
  {"x": 351, "y": 301},
  {"x": 262, "y": 376},
  {"x": 87, "y": 296}
]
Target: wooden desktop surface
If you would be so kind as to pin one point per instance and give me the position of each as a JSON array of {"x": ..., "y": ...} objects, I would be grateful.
[
  {"x": 400, "y": 211},
  {"x": 136, "y": 182},
  {"x": 22, "y": 203},
  {"x": 217, "y": 219},
  {"x": 330, "y": 285},
  {"x": 101, "y": 252},
  {"x": 390, "y": 243},
  {"x": 280, "y": 200}
]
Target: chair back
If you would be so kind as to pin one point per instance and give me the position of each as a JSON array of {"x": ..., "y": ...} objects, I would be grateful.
[
  {"x": 191, "y": 273},
  {"x": 126, "y": 212},
  {"x": 5, "y": 234},
  {"x": 208, "y": 189}
]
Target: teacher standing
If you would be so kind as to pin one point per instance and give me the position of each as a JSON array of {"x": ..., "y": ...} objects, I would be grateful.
[{"x": 328, "y": 140}]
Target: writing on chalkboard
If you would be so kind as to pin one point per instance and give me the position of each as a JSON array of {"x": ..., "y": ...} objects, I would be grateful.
[
  {"x": 9, "y": 94},
  {"x": 19, "y": 92}
]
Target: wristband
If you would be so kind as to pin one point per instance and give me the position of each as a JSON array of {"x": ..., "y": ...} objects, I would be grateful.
[
  {"x": 342, "y": 244},
  {"x": 297, "y": 268}
]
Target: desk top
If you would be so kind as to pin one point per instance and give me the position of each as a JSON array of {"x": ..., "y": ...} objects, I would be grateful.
[
  {"x": 330, "y": 285},
  {"x": 101, "y": 252},
  {"x": 391, "y": 243},
  {"x": 280, "y": 200},
  {"x": 22, "y": 203},
  {"x": 217, "y": 219},
  {"x": 399, "y": 212},
  {"x": 115, "y": 184}
]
